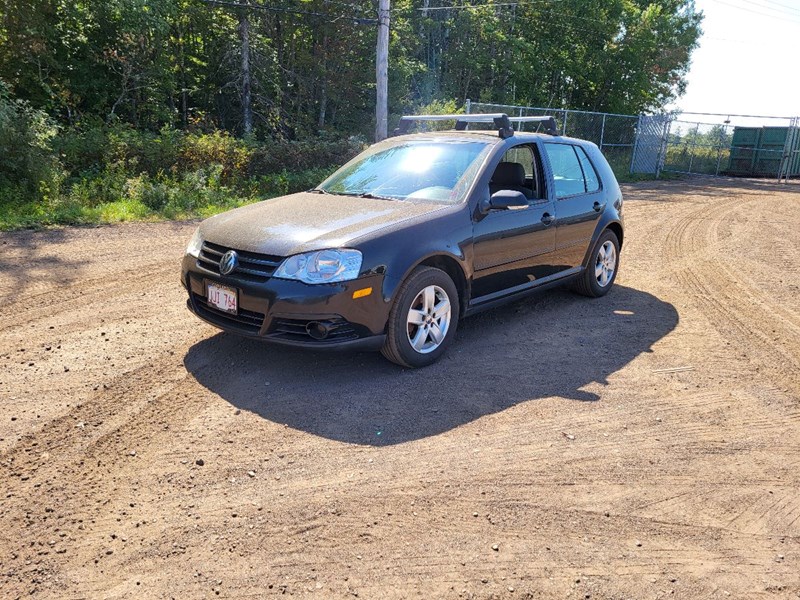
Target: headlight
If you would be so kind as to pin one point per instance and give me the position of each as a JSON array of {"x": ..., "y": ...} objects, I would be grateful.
[
  {"x": 323, "y": 266},
  {"x": 195, "y": 244}
]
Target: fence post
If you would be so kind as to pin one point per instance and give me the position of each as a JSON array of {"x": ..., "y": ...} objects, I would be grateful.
[
  {"x": 467, "y": 106},
  {"x": 566, "y": 113},
  {"x": 788, "y": 155},
  {"x": 663, "y": 144},
  {"x": 637, "y": 130},
  {"x": 719, "y": 150},
  {"x": 694, "y": 145},
  {"x": 602, "y": 131}
]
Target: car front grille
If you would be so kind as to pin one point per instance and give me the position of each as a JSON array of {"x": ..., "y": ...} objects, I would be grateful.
[
  {"x": 245, "y": 320},
  {"x": 252, "y": 267},
  {"x": 339, "y": 330}
]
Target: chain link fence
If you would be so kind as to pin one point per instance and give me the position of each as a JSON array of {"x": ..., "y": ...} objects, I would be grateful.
[
  {"x": 614, "y": 134},
  {"x": 734, "y": 145}
]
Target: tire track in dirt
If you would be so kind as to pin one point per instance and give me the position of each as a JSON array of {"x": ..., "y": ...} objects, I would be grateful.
[
  {"x": 735, "y": 306},
  {"x": 104, "y": 290},
  {"x": 397, "y": 520},
  {"x": 71, "y": 465},
  {"x": 731, "y": 303}
]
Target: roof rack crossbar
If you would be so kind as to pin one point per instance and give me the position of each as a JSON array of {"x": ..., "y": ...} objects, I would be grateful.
[
  {"x": 500, "y": 120},
  {"x": 550, "y": 126}
]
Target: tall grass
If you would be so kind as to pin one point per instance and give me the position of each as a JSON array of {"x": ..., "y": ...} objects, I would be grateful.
[{"x": 96, "y": 173}]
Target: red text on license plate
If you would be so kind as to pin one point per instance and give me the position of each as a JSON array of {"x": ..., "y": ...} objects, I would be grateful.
[{"x": 222, "y": 298}]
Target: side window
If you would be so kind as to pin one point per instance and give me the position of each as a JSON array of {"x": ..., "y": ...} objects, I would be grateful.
[
  {"x": 523, "y": 156},
  {"x": 567, "y": 172},
  {"x": 589, "y": 173},
  {"x": 519, "y": 170}
]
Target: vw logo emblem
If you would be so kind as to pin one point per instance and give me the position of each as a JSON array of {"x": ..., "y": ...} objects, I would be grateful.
[{"x": 228, "y": 262}]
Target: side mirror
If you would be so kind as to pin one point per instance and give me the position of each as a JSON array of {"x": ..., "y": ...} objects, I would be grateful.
[{"x": 507, "y": 200}]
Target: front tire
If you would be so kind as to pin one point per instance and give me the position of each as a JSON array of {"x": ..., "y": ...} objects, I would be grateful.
[
  {"x": 601, "y": 271},
  {"x": 423, "y": 319}
]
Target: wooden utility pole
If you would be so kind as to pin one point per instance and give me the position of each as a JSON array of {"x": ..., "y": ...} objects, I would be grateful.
[
  {"x": 382, "y": 72},
  {"x": 244, "y": 36}
]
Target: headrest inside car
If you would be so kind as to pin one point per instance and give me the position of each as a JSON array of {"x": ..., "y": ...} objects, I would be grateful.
[{"x": 510, "y": 173}]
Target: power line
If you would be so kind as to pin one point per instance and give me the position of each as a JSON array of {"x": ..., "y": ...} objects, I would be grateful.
[
  {"x": 546, "y": 5},
  {"x": 487, "y": 5},
  {"x": 792, "y": 8},
  {"x": 597, "y": 34},
  {"x": 750, "y": 10},
  {"x": 357, "y": 7},
  {"x": 780, "y": 11},
  {"x": 294, "y": 11}
]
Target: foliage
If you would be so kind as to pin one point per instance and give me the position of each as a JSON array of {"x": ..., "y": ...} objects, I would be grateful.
[
  {"x": 690, "y": 149},
  {"x": 110, "y": 196},
  {"x": 116, "y": 109},
  {"x": 178, "y": 63},
  {"x": 27, "y": 162},
  {"x": 116, "y": 173}
]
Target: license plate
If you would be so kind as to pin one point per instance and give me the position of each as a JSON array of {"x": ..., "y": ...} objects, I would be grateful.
[{"x": 222, "y": 298}]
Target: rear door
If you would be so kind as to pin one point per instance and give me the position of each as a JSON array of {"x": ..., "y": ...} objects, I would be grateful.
[{"x": 578, "y": 200}]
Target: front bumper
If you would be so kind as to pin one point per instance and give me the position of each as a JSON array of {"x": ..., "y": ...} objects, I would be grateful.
[{"x": 286, "y": 312}]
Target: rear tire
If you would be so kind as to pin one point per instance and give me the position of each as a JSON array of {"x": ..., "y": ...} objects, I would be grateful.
[
  {"x": 602, "y": 268},
  {"x": 423, "y": 319}
]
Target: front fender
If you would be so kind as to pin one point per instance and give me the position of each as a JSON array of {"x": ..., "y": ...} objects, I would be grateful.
[{"x": 397, "y": 253}]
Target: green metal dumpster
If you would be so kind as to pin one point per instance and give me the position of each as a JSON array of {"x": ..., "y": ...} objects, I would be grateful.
[{"x": 759, "y": 152}]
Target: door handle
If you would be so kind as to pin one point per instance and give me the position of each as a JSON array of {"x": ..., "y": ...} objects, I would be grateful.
[
  {"x": 547, "y": 218},
  {"x": 598, "y": 207}
]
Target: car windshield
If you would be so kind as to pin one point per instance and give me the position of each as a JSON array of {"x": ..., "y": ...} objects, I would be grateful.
[{"x": 428, "y": 170}]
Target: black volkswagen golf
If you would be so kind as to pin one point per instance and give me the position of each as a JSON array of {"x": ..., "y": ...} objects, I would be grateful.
[{"x": 413, "y": 234}]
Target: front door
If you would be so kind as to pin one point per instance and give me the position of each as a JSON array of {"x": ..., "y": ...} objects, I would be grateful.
[{"x": 512, "y": 248}]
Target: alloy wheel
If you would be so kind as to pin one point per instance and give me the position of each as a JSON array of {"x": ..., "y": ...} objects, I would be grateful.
[
  {"x": 428, "y": 319},
  {"x": 606, "y": 263}
]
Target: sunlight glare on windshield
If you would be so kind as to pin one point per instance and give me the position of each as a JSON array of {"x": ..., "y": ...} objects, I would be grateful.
[{"x": 420, "y": 159}]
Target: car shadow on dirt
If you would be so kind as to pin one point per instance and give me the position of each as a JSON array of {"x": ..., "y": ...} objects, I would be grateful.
[{"x": 549, "y": 345}]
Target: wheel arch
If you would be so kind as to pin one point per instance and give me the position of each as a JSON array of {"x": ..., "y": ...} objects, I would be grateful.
[
  {"x": 439, "y": 260},
  {"x": 454, "y": 270},
  {"x": 617, "y": 229},
  {"x": 613, "y": 226}
]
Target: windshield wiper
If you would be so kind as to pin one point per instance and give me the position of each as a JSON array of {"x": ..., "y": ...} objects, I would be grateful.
[
  {"x": 375, "y": 196},
  {"x": 352, "y": 194}
]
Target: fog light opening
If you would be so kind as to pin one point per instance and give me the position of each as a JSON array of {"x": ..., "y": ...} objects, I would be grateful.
[{"x": 317, "y": 330}]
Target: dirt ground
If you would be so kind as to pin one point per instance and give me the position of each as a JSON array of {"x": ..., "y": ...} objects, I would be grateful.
[{"x": 642, "y": 445}]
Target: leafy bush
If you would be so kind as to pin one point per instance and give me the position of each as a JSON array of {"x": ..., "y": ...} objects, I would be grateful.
[
  {"x": 275, "y": 157},
  {"x": 93, "y": 146},
  {"x": 27, "y": 161},
  {"x": 94, "y": 189},
  {"x": 98, "y": 172},
  {"x": 289, "y": 182},
  {"x": 90, "y": 148},
  {"x": 435, "y": 107},
  {"x": 217, "y": 148}
]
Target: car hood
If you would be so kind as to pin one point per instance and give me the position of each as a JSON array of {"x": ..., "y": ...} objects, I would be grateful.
[{"x": 307, "y": 221}]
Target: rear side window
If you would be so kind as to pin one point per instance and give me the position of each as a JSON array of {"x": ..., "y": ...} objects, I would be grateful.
[
  {"x": 567, "y": 171},
  {"x": 572, "y": 170},
  {"x": 589, "y": 174}
]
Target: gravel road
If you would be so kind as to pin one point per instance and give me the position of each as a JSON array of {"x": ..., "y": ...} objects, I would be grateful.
[{"x": 641, "y": 445}]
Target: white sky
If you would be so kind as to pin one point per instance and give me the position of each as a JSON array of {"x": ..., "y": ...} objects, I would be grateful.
[{"x": 748, "y": 61}]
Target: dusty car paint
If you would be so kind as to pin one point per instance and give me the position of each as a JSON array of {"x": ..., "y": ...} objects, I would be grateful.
[{"x": 492, "y": 256}]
